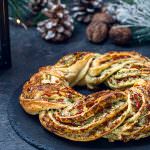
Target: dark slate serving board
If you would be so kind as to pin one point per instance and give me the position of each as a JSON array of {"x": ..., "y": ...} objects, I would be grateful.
[
  {"x": 29, "y": 128},
  {"x": 31, "y": 52}
]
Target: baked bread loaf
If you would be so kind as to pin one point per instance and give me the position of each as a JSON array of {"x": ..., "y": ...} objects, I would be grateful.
[{"x": 120, "y": 113}]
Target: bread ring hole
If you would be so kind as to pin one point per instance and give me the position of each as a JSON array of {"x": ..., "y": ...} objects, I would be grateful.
[{"x": 86, "y": 91}]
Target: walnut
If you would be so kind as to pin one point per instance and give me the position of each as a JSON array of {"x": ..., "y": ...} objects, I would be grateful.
[
  {"x": 97, "y": 31},
  {"x": 103, "y": 17},
  {"x": 120, "y": 35}
]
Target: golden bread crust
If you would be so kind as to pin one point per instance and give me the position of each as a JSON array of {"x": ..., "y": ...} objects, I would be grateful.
[{"x": 119, "y": 114}]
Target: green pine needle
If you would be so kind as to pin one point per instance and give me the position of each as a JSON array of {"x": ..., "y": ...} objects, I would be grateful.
[
  {"x": 135, "y": 14},
  {"x": 18, "y": 9},
  {"x": 132, "y": 13}
]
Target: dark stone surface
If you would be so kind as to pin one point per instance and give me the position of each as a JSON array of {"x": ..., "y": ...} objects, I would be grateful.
[
  {"x": 29, "y": 128},
  {"x": 29, "y": 52}
]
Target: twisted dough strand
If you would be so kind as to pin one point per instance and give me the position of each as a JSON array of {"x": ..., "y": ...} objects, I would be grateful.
[{"x": 119, "y": 114}]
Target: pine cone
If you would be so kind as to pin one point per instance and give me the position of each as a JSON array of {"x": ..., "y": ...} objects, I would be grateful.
[
  {"x": 83, "y": 10},
  {"x": 59, "y": 25},
  {"x": 37, "y": 5}
]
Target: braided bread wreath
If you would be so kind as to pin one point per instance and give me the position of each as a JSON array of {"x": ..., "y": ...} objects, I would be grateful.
[{"x": 119, "y": 114}]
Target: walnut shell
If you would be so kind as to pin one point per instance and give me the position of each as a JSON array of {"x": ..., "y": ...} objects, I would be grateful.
[
  {"x": 120, "y": 35},
  {"x": 103, "y": 17},
  {"x": 97, "y": 32}
]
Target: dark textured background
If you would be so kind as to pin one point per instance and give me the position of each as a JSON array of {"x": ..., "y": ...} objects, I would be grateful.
[{"x": 29, "y": 52}]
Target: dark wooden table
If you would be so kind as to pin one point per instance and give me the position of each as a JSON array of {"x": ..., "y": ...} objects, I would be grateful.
[{"x": 29, "y": 52}]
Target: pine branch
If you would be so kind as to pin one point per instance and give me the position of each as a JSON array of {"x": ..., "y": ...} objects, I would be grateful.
[
  {"x": 20, "y": 13},
  {"x": 18, "y": 9},
  {"x": 135, "y": 14}
]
